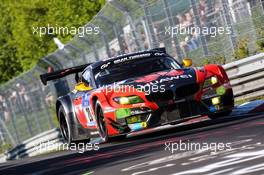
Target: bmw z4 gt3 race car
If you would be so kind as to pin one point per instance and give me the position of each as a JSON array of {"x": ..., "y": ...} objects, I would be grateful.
[{"x": 138, "y": 91}]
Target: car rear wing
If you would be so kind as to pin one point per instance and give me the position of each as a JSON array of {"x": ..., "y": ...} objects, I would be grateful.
[{"x": 61, "y": 73}]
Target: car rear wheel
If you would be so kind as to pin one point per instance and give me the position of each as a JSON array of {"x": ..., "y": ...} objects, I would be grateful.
[
  {"x": 64, "y": 126},
  {"x": 101, "y": 122}
]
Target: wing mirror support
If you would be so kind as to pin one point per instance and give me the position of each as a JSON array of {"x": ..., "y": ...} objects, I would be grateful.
[{"x": 77, "y": 77}]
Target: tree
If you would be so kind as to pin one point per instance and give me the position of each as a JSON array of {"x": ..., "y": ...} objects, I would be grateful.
[{"x": 20, "y": 47}]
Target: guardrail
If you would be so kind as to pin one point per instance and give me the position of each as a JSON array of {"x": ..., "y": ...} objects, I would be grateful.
[
  {"x": 247, "y": 79},
  {"x": 34, "y": 146},
  {"x": 247, "y": 76}
]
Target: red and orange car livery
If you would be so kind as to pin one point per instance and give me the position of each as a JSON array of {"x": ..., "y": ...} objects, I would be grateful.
[{"x": 137, "y": 91}]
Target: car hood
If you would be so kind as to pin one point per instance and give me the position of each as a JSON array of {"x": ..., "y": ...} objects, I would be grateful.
[{"x": 168, "y": 78}]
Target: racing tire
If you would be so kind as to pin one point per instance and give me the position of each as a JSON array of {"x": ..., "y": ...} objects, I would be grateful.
[
  {"x": 220, "y": 114},
  {"x": 84, "y": 141},
  {"x": 64, "y": 126},
  {"x": 103, "y": 132}
]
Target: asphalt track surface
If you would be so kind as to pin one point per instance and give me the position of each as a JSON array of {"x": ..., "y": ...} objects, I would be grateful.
[{"x": 230, "y": 145}]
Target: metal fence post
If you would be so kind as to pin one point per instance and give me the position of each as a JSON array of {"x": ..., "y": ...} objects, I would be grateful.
[
  {"x": 58, "y": 66},
  {"x": 229, "y": 23},
  {"x": 49, "y": 116},
  {"x": 171, "y": 23},
  {"x": 13, "y": 116},
  {"x": 28, "y": 123},
  {"x": 116, "y": 31},
  {"x": 47, "y": 113},
  {"x": 262, "y": 3},
  {"x": 69, "y": 58},
  {"x": 122, "y": 9},
  {"x": 2, "y": 137},
  {"x": 78, "y": 51},
  {"x": 134, "y": 33},
  {"x": 150, "y": 29},
  {"x": 104, "y": 39},
  {"x": 96, "y": 55},
  {"x": 7, "y": 132},
  {"x": 199, "y": 25}
]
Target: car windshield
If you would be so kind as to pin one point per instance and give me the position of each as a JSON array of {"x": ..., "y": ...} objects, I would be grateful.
[{"x": 133, "y": 68}]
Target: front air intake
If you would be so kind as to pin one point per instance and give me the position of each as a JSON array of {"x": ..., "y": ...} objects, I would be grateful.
[
  {"x": 186, "y": 90},
  {"x": 160, "y": 96}
]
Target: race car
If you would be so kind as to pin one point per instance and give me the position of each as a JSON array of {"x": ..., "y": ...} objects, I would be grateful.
[{"x": 137, "y": 91}]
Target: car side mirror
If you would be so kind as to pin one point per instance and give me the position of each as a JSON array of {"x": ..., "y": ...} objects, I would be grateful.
[
  {"x": 187, "y": 62},
  {"x": 77, "y": 78},
  {"x": 81, "y": 86}
]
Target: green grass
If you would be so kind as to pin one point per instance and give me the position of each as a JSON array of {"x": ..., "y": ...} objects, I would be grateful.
[
  {"x": 4, "y": 147},
  {"x": 239, "y": 102}
]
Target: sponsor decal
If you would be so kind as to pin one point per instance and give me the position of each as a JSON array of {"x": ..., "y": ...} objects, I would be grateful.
[
  {"x": 94, "y": 133},
  {"x": 86, "y": 100},
  {"x": 167, "y": 79},
  {"x": 128, "y": 58},
  {"x": 124, "y": 59},
  {"x": 105, "y": 65},
  {"x": 92, "y": 123},
  {"x": 87, "y": 110},
  {"x": 155, "y": 76},
  {"x": 159, "y": 54},
  {"x": 175, "y": 78}
]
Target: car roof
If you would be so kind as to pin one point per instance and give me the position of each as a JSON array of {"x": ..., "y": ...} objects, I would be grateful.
[{"x": 127, "y": 57}]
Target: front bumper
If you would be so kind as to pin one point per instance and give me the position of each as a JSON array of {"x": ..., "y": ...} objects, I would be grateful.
[{"x": 169, "y": 112}]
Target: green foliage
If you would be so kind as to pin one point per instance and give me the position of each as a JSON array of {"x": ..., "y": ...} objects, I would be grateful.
[
  {"x": 258, "y": 21},
  {"x": 20, "y": 49},
  {"x": 260, "y": 44},
  {"x": 216, "y": 59},
  {"x": 4, "y": 147},
  {"x": 242, "y": 50},
  {"x": 260, "y": 40}
]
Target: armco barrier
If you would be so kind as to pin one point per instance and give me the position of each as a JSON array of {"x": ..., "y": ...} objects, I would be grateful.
[
  {"x": 247, "y": 76},
  {"x": 247, "y": 79},
  {"x": 33, "y": 146}
]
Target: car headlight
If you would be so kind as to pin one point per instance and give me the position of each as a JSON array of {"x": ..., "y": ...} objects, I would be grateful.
[
  {"x": 128, "y": 100},
  {"x": 210, "y": 81},
  {"x": 213, "y": 80}
]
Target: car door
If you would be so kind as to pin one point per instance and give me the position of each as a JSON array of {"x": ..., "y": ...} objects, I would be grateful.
[{"x": 82, "y": 102}]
